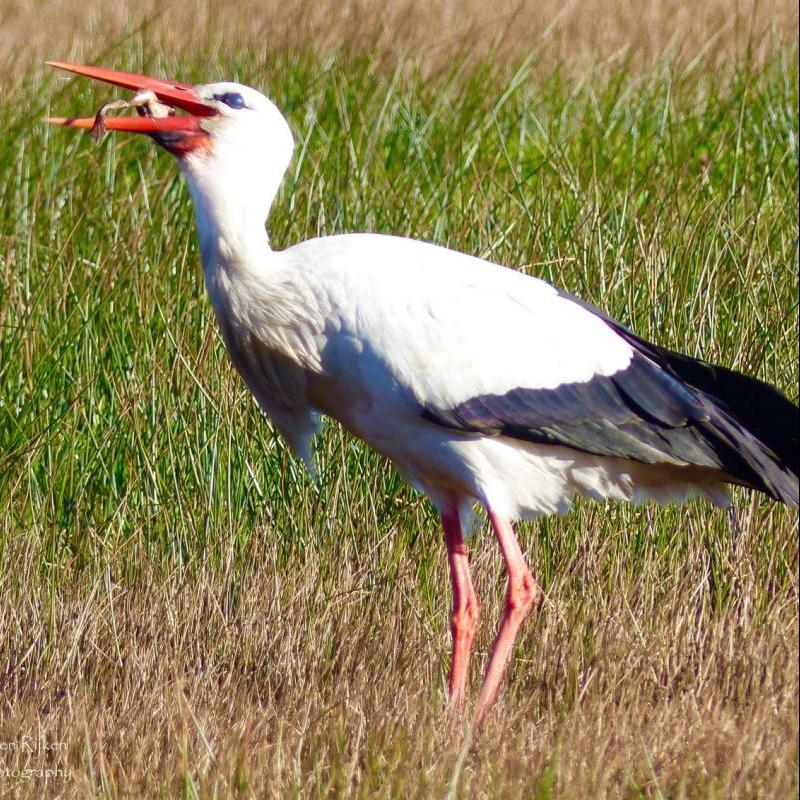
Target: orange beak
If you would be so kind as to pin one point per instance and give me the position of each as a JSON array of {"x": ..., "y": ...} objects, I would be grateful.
[{"x": 177, "y": 133}]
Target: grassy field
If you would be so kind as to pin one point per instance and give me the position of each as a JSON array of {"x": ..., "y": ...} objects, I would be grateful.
[{"x": 183, "y": 613}]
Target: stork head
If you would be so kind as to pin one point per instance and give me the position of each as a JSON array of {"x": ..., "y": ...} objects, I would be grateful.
[{"x": 232, "y": 142}]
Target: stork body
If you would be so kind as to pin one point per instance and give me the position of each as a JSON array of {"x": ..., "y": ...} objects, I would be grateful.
[
  {"x": 481, "y": 384},
  {"x": 380, "y": 332}
]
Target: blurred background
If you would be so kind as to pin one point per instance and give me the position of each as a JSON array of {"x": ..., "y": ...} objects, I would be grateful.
[{"x": 580, "y": 35}]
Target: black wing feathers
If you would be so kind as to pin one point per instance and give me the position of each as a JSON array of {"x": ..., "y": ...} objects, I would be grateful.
[
  {"x": 757, "y": 405},
  {"x": 665, "y": 407}
]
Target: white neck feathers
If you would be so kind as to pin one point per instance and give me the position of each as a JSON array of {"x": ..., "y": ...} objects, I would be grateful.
[{"x": 233, "y": 183}]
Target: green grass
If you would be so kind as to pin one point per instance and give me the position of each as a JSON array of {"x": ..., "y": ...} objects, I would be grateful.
[{"x": 192, "y": 616}]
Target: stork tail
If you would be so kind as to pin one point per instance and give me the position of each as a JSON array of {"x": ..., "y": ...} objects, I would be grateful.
[{"x": 760, "y": 424}]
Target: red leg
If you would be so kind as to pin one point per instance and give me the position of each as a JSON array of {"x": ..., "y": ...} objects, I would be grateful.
[
  {"x": 466, "y": 609},
  {"x": 522, "y": 595}
]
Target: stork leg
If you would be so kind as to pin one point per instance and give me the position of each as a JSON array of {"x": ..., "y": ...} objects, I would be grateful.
[
  {"x": 522, "y": 594},
  {"x": 466, "y": 609}
]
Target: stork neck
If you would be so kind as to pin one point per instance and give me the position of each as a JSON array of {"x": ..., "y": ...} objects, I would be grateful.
[
  {"x": 229, "y": 235},
  {"x": 231, "y": 219}
]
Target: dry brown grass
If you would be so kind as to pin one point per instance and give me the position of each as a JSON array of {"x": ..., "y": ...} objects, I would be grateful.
[
  {"x": 575, "y": 33},
  {"x": 300, "y": 679}
]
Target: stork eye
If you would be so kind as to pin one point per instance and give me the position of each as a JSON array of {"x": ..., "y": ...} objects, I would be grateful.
[{"x": 232, "y": 99}]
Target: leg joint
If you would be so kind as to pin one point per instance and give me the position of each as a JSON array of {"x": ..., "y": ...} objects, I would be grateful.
[
  {"x": 523, "y": 594},
  {"x": 464, "y": 621}
]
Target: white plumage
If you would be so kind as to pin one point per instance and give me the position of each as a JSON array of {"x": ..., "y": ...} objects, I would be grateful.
[
  {"x": 481, "y": 384},
  {"x": 378, "y": 326}
]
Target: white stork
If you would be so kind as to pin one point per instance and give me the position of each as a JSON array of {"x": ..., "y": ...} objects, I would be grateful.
[{"x": 482, "y": 385}]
